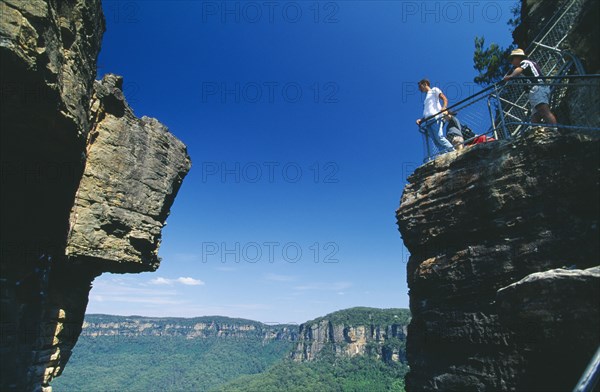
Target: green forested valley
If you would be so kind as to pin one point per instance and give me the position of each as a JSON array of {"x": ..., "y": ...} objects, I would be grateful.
[
  {"x": 358, "y": 374},
  {"x": 221, "y": 354}
]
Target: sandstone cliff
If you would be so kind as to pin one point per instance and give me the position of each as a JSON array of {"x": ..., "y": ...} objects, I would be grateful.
[
  {"x": 480, "y": 226},
  {"x": 86, "y": 186},
  {"x": 354, "y": 332},
  {"x": 133, "y": 172},
  {"x": 503, "y": 273},
  {"x": 190, "y": 328}
]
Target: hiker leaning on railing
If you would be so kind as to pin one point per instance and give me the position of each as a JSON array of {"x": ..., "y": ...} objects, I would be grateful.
[
  {"x": 432, "y": 125},
  {"x": 539, "y": 94},
  {"x": 431, "y": 122}
]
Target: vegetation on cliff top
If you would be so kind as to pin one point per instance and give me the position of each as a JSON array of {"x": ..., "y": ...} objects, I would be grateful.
[
  {"x": 366, "y": 316},
  {"x": 105, "y": 318},
  {"x": 492, "y": 62}
]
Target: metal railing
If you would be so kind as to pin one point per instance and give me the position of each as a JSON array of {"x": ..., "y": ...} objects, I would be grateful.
[
  {"x": 546, "y": 50},
  {"x": 548, "y": 42},
  {"x": 475, "y": 111},
  {"x": 591, "y": 376},
  {"x": 508, "y": 104},
  {"x": 497, "y": 112}
]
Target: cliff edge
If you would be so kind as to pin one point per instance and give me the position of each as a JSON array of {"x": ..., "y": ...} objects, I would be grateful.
[
  {"x": 96, "y": 325},
  {"x": 359, "y": 331},
  {"x": 503, "y": 239},
  {"x": 86, "y": 185},
  {"x": 503, "y": 274}
]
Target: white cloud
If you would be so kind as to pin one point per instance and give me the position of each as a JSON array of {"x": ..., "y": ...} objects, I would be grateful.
[
  {"x": 111, "y": 291},
  {"x": 182, "y": 280},
  {"x": 190, "y": 281},
  {"x": 161, "y": 281}
]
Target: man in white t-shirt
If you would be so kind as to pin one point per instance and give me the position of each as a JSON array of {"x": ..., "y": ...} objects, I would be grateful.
[{"x": 432, "y": 106}]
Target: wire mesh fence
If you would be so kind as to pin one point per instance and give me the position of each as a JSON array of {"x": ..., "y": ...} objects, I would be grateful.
[
  {"x": 553, "y": 34},
  {"x": 545, "y": 50},
  {"x": 503, "y": 110},
  {"x": 573, "y": 99}
]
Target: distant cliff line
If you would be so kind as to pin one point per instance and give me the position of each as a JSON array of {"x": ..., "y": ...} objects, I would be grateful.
[{"x": 345, "y": 333}]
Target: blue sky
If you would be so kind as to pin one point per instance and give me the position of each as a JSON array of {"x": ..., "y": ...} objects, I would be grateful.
[{"x": 299, "y": 119}]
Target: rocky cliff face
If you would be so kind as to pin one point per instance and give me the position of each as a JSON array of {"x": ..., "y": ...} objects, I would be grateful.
[
  {"x": 354, "y": 332},
  {"x": 134, "y": 169},
  {"x": 503, "y": 273},
  {"x": 86, "y": 186},
  {"x": 192, "y": 328},
  {"x": 489, "y": 229}
]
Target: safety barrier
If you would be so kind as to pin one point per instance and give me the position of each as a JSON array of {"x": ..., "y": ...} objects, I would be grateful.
[
  {"x": 497, "y": 111},
  {"x": 502, "y": 111}
]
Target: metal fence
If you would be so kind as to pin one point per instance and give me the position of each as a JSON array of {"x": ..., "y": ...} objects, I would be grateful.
[
  {"x": 547, "y": 44},
  {"x": 591, "y": 376},
  {"x": 502, "y": 110},
  {"x": 476, "y": 111}
]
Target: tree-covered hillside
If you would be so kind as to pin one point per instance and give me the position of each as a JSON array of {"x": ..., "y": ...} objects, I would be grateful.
[
  {"x": 116, "y": 353},
  {"x": 149, "y": 363},
  {"x": 366, "y": 316},
  {"x": 327, "y": 374}
]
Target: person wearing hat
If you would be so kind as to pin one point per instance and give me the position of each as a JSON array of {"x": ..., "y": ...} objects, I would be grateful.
[
  {"x": 432, "y": 107},
  {"x": 539, "y": 94}
]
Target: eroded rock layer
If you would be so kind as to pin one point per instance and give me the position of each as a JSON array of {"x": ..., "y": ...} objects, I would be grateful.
[
  {"x": 96, "y": 325},
  {"x": 134, "y": 169},
  {"x": 71, "y": 207},
  {"x": 354, "y": 332},
  {"x": 480, "y": 220}
]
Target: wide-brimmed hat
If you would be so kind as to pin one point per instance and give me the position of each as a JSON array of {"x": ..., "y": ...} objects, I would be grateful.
[{"x": 517, "y": 52}]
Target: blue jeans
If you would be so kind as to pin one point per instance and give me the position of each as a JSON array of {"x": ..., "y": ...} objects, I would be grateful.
[{"x": 435, "y": 131}]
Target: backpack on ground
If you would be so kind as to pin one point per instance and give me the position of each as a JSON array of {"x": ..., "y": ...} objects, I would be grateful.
[{"x": 467, "y": 132}]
